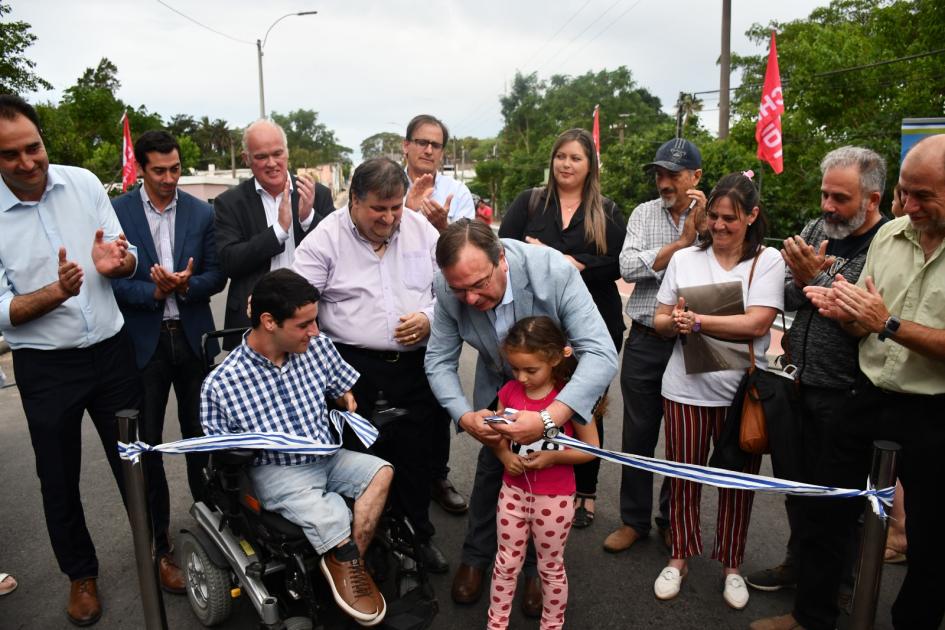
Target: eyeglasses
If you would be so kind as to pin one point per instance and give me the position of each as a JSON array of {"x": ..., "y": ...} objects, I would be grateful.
[
  {"x": 477, "y": 287},
  {"x": 423, "y": 144}
]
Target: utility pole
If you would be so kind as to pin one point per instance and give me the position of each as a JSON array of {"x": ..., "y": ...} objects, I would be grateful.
[
  {"x": 679, "y": 113},
  {"x": 725, "y": 61}
]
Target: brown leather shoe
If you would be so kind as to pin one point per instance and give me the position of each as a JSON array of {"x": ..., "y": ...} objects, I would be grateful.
[
  {"x": 783, "y": 622},
  {"x": 443, "y": 492},
  {"x": 531, "y": 598},
  {"x": 84, "y": 607},
  {"x": 354, "y": 590},
  {"x": 467, "y": 584},
  {"x": 621, "y": 539},
  {"x": 172, "y": 577}
]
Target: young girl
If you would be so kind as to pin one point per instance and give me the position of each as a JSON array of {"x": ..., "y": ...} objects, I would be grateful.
[{"x": 537, "y": 496}]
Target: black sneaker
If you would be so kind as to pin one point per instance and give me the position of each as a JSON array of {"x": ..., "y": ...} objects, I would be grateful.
[{"x": 774, "y": 579}]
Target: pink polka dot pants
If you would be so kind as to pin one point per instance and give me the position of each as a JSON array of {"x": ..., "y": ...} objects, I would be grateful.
[{"x": 547, "y": 519}]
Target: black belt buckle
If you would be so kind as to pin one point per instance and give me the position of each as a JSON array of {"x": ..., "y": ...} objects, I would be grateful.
[
  {"x": 171, "y": 324},
  {"x": 391, "y": 356}
]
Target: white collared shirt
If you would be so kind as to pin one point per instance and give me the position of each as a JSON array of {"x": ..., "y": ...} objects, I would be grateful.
[{"x": 285, "y": 258}]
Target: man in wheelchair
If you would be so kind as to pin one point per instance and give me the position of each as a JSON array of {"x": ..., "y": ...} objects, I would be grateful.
[{"x": 278, "y": 379}]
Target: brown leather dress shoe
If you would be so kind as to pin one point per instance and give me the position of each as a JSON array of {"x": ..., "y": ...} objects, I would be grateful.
[
  {"x": 84, "y": 607},
  {"x": 531, "y": 598},
  {"x": 783, "y": 622},
  {"x": 621, "y": 539},
  {"x": 172, "y": 577},
  {"x": 467, "y": 584},
  {"x": 443, "y": 492}
]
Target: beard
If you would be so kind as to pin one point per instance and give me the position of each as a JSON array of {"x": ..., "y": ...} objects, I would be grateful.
[
  {"x": 842, "y": 229},
  {"x": 668, "y": 202}
]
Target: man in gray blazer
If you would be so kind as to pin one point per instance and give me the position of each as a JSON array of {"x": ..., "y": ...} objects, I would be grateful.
[{"x": 485, "y": 285}]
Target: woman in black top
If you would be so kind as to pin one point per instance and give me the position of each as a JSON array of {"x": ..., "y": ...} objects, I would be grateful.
[{"x": 570, "y": 215}]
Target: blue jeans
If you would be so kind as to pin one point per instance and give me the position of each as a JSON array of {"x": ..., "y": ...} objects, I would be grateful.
[{"x": 311, "y": 495}]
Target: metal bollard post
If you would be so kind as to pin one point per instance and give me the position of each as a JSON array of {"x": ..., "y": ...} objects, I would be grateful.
[
  {"x": 151, "y": 599},
  {"x": 870, "y": 567}
]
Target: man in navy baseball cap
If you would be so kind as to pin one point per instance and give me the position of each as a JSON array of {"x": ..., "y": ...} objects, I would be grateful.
[{"x": 676, "y": 155}]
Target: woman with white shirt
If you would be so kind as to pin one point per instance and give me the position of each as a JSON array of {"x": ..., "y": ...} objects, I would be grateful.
[{"x": 695, "y": 404}]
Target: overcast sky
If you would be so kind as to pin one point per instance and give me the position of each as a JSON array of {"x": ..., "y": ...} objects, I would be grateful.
[{"x": 369, "y": 66}]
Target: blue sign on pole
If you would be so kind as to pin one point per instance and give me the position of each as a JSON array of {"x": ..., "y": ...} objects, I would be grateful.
[{"x": 914, "y": 129}]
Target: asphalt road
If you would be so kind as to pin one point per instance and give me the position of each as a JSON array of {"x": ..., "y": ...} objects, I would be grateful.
[{"x": 606, "y": 591}]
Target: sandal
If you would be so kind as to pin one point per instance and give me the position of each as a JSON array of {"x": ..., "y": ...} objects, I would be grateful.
[
  {"x": 583, "y": 517},
  {"x": 7, "y": 584}
]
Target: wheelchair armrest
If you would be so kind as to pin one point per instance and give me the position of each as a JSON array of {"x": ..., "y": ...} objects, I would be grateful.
[{"x": 384, "y": 416}]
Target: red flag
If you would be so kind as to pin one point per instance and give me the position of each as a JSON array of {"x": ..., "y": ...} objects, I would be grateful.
[
  {"x": 596, "y": 131},
  {"x": 129, "y": 166},
  {"x": 768, "y": 129}
]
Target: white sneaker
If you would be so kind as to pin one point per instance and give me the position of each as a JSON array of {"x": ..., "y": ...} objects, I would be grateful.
[
  {"x": 668, "y": 583},
  {"x": 735, "y": 593}
]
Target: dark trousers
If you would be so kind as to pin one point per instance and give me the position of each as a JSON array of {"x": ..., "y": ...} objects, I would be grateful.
[
  {"x": 480, "y": 544},
  {"x": 645, "y": 356},
  {"x": 840, "y": 453},
  {"x": 585, "y": 475},
  {"x": 407, "y": 442},
  {"x": 442, "y": 433},
  {"x": 174, "y": 363},
  {"x": 56, "y": 388},
  {"x": 821, "y": 409}
]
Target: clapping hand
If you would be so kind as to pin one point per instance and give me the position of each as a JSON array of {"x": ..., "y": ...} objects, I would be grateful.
[
  {"x": 804, "y": 261},
  {"x": 108, "y": 256},
  {"x": 70, "y": 275}
]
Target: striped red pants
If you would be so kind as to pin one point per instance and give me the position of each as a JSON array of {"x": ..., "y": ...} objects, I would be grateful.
[{"x": 688, "y": 429}]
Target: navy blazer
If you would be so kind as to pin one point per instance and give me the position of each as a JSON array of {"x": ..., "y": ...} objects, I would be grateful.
[
  {"x": 246, "y": 243},
  {"x": 193, "y": 238}
]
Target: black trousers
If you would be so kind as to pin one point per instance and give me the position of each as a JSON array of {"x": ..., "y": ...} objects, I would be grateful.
[
  {"x": 56, "y": 388},
  {"x": 861, "y": 416},
  {"x": 645, "y": 356},
  {"x": 174, "y": 363},
  {"x": 407, "y": 443}
]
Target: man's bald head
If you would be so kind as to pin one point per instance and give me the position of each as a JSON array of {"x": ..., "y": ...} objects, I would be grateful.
[{"x": 922, "y": 185}]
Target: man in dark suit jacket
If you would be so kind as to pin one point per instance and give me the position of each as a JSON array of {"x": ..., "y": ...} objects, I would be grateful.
[
  {"x": 257, "y": 228},
  {"x": 166, "y": 306}
]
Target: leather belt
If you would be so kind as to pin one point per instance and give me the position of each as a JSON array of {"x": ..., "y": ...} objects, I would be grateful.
[
  {"x": 646, "y": 330},
  {"x": 390, "y": 356},
  {"x": 172, "y": 325}
]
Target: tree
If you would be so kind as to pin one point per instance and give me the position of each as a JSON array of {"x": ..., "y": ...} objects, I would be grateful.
[
  {"x": 489, "y": 176},
  {"x": 310, "y": 142},
  {"x": 839, "y": 90},
  {"x": 383, "y": 144},
  {"x": 189, "y": 153},
  {"x": 16, "y": 71}
]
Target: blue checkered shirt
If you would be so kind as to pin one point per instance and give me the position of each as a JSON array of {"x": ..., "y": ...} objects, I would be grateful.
[{"x": 248, "y": 392}]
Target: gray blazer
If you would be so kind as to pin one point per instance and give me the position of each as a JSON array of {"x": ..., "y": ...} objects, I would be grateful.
[{"x": 543, "y": 283}]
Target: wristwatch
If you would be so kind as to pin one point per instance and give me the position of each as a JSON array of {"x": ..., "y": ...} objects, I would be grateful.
[
  {"x": 551, "y": 429},
  {"x": 697, "y": 325},
  {"x": 890, "y": 328}
]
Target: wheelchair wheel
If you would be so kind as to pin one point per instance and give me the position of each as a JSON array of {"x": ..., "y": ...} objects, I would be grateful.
[
  {"x": 208, "y": 586},
  {"x": 297, "y": 623}
]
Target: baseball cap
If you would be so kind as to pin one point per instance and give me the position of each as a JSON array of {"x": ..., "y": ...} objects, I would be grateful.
[{"x": 676, "y": 155}]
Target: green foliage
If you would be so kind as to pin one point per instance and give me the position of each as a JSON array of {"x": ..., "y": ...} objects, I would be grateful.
[
  {"x": 16, "y": 71},
  {"x": 488, "y": 182},
  {"x": 189, "y": 153},
  {"x": 105, "y": 162},
  {"x": 536, "y": 111},
  {"x": 383, "y": 144},
  {"x": 826, "y": 109},
  {"x": 310, "y": 142}
]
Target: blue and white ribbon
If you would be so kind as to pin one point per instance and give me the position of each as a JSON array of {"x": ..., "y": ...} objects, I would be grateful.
[
  {"x": 735, "y": 480},
  {"x": 276, "y": 441}
]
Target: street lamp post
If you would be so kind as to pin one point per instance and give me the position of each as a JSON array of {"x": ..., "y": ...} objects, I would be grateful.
[{"x": 260, "y": 44}]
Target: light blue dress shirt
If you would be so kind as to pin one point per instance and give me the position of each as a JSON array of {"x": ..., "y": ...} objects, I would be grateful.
[
  {"x": 72, "y": 208},
  {"x": 462, "y": 206}
]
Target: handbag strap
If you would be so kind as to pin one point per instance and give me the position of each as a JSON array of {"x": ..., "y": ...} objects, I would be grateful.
[{"x": 751, "y": 342}]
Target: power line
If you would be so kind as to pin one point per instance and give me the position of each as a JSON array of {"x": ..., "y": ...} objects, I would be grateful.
[
  {"x": 202, "y": 25},
  {"x": 831, "y": 73},
  {"x": 475, "y": 115},
  {"x": 573, "y": 39},
  {"x": 607, "y": 28}
]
